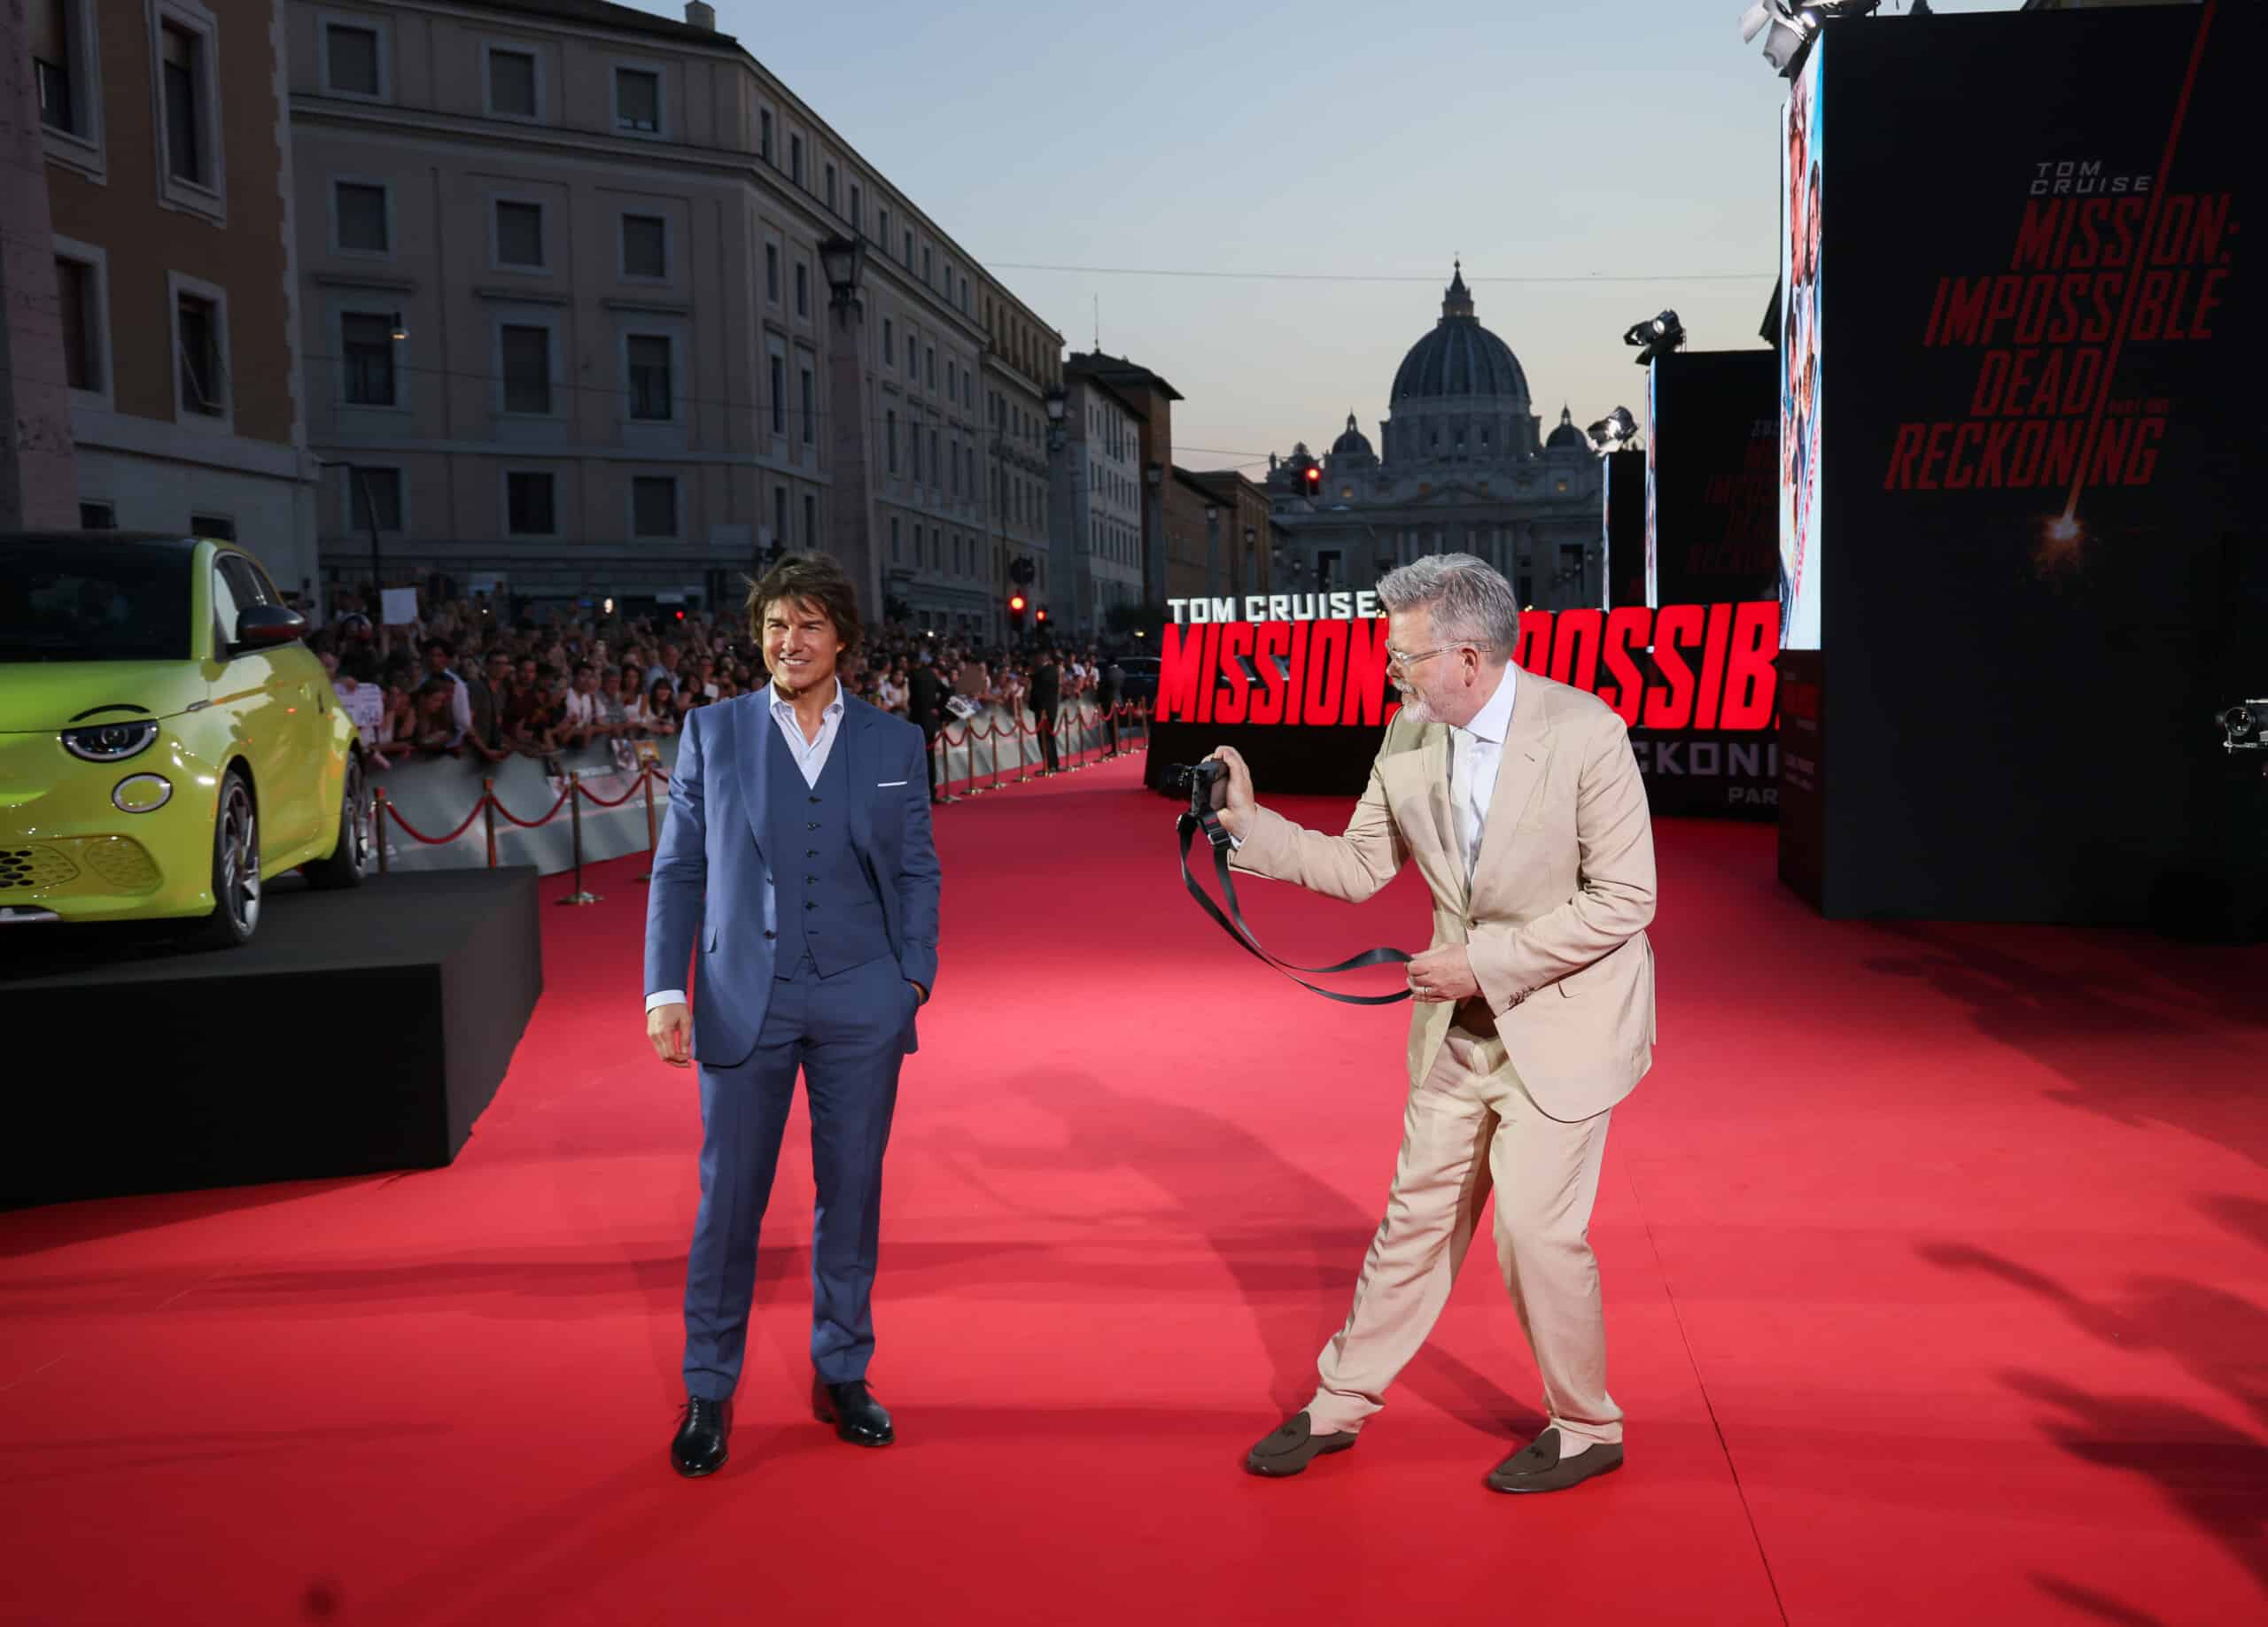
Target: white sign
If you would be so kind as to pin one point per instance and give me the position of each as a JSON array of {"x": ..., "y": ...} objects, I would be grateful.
[
  {"x": 1361, "y": 607},
  {"x": 401, "y": 605}
]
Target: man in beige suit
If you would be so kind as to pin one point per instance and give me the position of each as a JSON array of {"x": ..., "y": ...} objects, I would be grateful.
[{"x": 1519, "y": 801}]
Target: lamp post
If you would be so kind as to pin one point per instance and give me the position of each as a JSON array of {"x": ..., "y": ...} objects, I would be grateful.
[
  {"x": 359, "y": 482},
  {"x": 842, "y": 261},
  {"x": 1058, "y": 511}
]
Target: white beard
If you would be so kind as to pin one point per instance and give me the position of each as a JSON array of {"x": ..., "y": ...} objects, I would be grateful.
[{"x": 1415, "y": 708}]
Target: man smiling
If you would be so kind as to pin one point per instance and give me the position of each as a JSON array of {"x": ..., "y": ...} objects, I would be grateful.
[
  {"x": 796, "y": 870},
  {"x": 1520, "y": 803}
]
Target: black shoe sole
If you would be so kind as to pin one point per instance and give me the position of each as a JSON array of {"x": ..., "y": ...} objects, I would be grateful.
[
  {"x": 1517, "y": 1490},
  {"x": 1254, "y": 1466}
]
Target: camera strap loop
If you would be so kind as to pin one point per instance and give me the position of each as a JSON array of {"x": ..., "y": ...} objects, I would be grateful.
[{"x": 1232, "y": 921}]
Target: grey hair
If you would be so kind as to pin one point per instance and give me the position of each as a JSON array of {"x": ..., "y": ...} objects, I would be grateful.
[{"x": 1470, "y": 599}]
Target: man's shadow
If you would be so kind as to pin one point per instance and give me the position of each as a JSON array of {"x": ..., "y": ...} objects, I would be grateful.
[{"x": 1292, "y": 1243}]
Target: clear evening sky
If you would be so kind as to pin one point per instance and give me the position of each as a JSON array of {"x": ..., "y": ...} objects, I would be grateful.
[{"x": 1579, "y": 139}]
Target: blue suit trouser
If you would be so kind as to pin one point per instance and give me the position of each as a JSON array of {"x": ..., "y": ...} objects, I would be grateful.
[{"x": 846, "y": 1035}]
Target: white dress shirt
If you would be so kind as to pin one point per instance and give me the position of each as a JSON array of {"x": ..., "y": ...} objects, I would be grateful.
[
  {"x": 1476, "y": 751},
  {"x": 810, "y": 757}
]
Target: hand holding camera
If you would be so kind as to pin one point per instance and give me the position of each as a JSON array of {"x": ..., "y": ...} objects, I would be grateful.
[{"x": 1237, "y": 809}]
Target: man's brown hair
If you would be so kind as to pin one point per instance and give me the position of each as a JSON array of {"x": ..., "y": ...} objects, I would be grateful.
[{"x": 808, "y": 578}]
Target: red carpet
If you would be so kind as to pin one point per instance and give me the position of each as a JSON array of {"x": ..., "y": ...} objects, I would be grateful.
[{"x": 1936, "y": 1266}]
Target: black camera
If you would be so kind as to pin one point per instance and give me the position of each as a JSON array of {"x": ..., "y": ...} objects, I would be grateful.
[{"x": 1206, "y": 784}]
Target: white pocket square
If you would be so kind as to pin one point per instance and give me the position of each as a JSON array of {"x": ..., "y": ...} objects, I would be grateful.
[{"x": 885, "y": 784}]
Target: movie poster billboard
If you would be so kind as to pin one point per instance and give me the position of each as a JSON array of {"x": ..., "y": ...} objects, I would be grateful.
[
  {"x": 1802, "y": 172},
  {"x": 1714, "y": 493},
  {"x": 1624, "y": 503},
  {"x": 2034, "y": 487}
]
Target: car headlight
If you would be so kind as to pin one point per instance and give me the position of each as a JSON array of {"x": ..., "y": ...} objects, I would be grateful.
[{"x": 110, "y": 742}]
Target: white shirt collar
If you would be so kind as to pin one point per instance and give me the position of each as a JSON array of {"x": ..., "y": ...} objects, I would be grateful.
[
  {"x": 783, "y": 705},
  {"x": 1493, "y": 720}
]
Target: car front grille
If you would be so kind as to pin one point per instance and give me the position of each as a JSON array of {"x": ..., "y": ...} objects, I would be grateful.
[{"x": 33, "y": 868}]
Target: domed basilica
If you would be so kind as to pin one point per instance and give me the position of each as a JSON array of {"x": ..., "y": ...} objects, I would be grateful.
[{"x": 1460, "y": 467}]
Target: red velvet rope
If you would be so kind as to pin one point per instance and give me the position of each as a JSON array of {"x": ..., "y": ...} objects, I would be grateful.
[
  {"x": 436, "y": 841},
  {"x": 529, "y": 824}
]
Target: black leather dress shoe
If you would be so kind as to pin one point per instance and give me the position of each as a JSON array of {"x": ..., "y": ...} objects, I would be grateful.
[
  {"x": 699, "y": 1446},
  {"x": 1538, "y": 1467},
  {"x": 852, "y": 1408},
  {"x": 1289, "y": 1449}
]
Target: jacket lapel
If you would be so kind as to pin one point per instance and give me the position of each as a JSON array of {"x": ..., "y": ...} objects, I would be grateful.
[
  {"x": 1527, "y": 749},
  {"x": 1434, "y": 758},
  {"x": 857, "y": 752},
  {"x": 750, "y": 719}
]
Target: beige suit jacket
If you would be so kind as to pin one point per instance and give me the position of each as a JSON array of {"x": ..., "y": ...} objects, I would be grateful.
[{"x": 1555, "y": 919}]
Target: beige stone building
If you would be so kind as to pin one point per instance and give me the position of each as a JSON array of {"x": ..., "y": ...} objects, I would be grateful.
[
  {"x": 567, "y": 312},
  {"x": 1023, "y": 366},
  {"x": 171, "y": 211}
]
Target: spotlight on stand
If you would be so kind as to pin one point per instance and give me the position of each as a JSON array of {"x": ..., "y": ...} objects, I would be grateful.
[
  {"x": 1789, "y": 26},
  {"x": 1615, "y": 432},
  {"x": 1654, "y": 336},
  {"x": 2246, "y": 725}
]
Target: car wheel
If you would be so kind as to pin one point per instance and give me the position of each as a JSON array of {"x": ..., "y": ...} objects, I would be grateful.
[
  {"x": 354, "y": 856},
  {"x": 236, "y": 866}
]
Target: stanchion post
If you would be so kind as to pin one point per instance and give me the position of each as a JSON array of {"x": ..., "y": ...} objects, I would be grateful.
[
  {"x": 575, "y": 823},
  {"x": 378, "y": 806},
  {"x": 970, "y": 730},
  {"x": 653, "y": 839},
  {"x": 1024, "y": 757},
  {"x": 488, "y": 816}
]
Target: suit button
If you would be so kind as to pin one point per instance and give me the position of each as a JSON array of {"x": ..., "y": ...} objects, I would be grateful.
[
  {"x": 771, "y": 934},
  {"x": 812, "y": 825},
  {"x": 809, "y": 905},
  {"x": 810, "y": 881},
  {"x": 811, "y": 853},
  {"x": 814, "y": 799}
]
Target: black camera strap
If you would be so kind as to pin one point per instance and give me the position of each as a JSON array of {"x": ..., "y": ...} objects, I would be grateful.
[{"x": 1232, "y": 921}]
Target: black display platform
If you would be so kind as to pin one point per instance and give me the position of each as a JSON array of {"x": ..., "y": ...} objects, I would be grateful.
[{"x": 359, "y": 1032}]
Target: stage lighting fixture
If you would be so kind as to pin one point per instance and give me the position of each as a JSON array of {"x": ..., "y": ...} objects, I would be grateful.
[
  {"x": 1614, "y": 431},
  {"x": 2246, "y": 725},
  {"x": 1789, "y": 26},
  {"x": 1657, "y": 336}
]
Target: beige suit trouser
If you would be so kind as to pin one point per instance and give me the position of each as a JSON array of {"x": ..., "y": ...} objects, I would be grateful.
[{"x": 1470, "y": 1126}]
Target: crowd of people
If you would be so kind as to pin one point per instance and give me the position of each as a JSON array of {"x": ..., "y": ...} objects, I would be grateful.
[{"x": 467, "y": 679}]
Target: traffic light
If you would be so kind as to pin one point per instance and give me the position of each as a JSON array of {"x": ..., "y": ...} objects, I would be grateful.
[
  {"x": 1017, "y": 604},
  {"x": 1041, "y": 615},
  {"x": 1314, "y": 479}
]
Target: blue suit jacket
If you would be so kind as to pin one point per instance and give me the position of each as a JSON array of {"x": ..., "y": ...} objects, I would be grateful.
[{"x": 709, "y": 869}]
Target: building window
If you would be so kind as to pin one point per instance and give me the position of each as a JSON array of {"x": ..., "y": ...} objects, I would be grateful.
[
  {"x": 653, "y": 506},
  {"x": 937, "y": 463},
  {"x": 57, "y": 54},
  {"x": 803, "y": 288},
  {"x": 909, "y": 248},
  {"x": 350, "y": 60},
  {"x": 779, "y": 516},
  {"x": 795, "y": 159},
  {"x": 858, "y": 211},
  {"x": 512, "y": 84},
  {"x": 895, "y": 541},
  {"x": 519, "y": 235},
  {"x": 830, "y": 188},
  {"x": 778, "y": 381},
  {"x": 187, "y": 57},
  {"x": 97, "y": 516},
  {"x": 378, "y": 490},
  {"x": 882, "y": 229},
  {"x": 912, "y": 360},
  {"x": 889, "y": 343},
  {"x": 366, "y": 351},
  {"x": 638, "y": 100},
  {"x": 360, "y": 208},
  {"x": 928, "y": 276},
  {"x": 218, "y": 527},
  {"x": 810, "y": 520},
  {"x": 889, "y": 440},
  {"x": 932, "y": 359},
  {"x": 810, "y": 406},
  {"x": 764, "y": 133},
  {"x": 527, "y": 367},
  {"x": 79, "y": 298},
  {"x": 914, "y": 445},
  {"x": 529, "y": 510},
  {"x": 648, "y": 359},
  {"x": 772, "y": 272},
  {"x": 203, "y": 338},
  {"x": 645, "y": 246}
]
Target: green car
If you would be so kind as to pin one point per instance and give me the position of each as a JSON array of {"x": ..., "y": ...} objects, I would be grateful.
[{"x": 168, "y": 743}]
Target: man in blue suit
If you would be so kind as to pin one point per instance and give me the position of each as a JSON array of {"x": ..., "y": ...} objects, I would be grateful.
[{"x": 796, "y": 872}]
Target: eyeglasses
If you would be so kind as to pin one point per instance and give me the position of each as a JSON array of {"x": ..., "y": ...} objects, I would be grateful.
[{"x": 1397, "y": 658}]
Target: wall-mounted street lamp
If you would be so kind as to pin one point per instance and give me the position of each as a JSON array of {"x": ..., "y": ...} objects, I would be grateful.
[{"x": 842, "y": 261}]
